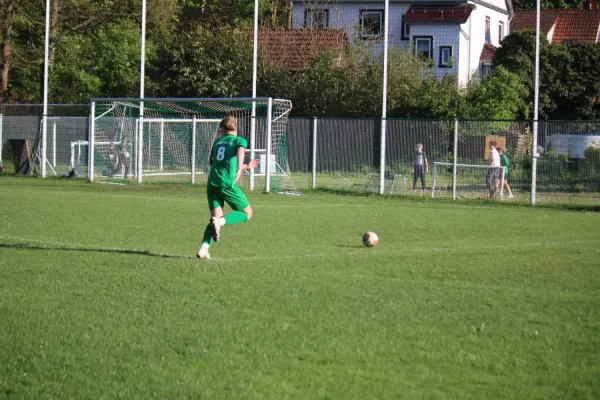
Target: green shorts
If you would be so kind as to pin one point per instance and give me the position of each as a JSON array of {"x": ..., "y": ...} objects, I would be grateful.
[{"x": 217, "y": 196}]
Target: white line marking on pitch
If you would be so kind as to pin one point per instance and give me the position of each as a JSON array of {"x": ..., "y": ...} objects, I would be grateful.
[{"x": 76, "y": 247}]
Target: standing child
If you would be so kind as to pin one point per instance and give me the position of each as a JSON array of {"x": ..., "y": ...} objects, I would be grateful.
[
  {"x": 505, "y": 162},
  {"x": 227, "y": 165},
  {"x": 420, "y": 167}
]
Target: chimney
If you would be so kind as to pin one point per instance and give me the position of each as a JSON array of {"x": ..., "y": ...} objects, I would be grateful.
[{"x": 589, "y": 5}]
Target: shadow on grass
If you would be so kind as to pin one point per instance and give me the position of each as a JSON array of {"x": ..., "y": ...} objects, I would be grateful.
[{"x": 22, "y": 246}]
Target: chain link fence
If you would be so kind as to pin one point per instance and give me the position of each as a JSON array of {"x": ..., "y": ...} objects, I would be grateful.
[
  {"x": 20, "y": 136},
  {"x": 345, "y": 153}
]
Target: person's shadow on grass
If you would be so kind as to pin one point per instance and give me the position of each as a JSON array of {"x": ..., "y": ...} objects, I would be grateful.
[{"x": 22, "y": 246}]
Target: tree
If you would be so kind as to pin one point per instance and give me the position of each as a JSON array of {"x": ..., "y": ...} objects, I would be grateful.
[
  {"x": 581, "y": 78},
  {"x": 517, "y": 55},
  {"x": 568, "y": 75},
  {"x": 500, "y": 96},
  {"x": 6, "y": 23},
  {"x": 203, "y": 62},
  {"x": 431, "y": 98}
]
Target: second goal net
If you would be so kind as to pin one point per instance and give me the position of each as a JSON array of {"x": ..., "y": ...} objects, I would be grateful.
[{"x": 467, "y": 181}]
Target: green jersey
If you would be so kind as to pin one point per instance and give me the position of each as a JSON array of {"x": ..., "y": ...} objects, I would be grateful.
[
  {"x": 505, "y": 163},
  {"x": 224, "y": 160}
]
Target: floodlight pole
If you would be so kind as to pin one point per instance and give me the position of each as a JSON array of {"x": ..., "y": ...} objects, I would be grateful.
[
  {"x": 536, "y": 94},
  {"x": 140, "y": 159},
  {"x": 254, "y": 74},
  {"x": 384, "y": 101},
  {"x": 45, "y": 100}
]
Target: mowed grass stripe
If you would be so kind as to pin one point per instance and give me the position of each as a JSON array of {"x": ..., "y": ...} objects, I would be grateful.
[{"x": 50, "y": 245}]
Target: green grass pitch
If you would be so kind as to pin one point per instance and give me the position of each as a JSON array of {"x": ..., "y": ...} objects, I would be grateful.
[{"x": 101, "y": 297}]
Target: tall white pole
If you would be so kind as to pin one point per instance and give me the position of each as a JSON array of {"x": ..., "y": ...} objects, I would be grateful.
[
  {"x": 254, "y": 74},
  {"x": 143, "y": 56},
  {"x": 140, "y": 159},
  {"x": 45, "y": 100},
  {"x": 386, "y": 14},
  {"x": 536, "y": 93}
]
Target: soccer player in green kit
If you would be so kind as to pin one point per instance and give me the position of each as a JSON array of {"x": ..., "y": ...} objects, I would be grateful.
[{"x": 227, "y": 165}]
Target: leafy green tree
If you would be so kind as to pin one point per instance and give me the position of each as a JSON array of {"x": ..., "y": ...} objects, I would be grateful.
[
  {"x": 106, "y": 64},
  {"x": 431, "y": 98},
  {"x": 568, "y": 75},
  {"x": 517, "y": 55},
  {"x": 582, "y": 79},
  {"x": 500, "y": 96},
  {"x": 203, "y": 62}
]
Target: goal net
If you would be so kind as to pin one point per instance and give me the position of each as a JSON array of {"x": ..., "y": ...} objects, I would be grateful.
[
  {"x": 170, "y": 140},
  {"x": 467, "y": 181}
]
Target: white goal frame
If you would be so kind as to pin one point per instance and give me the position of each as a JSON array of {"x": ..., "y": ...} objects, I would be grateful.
[
  {"x": 454, "y": 166},
  {"x": 142, "y": 123}
]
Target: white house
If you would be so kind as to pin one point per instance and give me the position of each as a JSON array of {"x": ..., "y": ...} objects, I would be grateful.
[{"x": 451, "y": 33}]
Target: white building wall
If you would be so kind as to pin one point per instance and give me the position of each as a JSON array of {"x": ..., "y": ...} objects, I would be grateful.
[
  {"x": 550, "y": 33},
  {"x": 443, "y": 35},
  {"x": 463, "y": 55},
  {"x": 347, "y": 16},
  {"x": 465, "y": 51},
  {"x": 476, "y": 25}
]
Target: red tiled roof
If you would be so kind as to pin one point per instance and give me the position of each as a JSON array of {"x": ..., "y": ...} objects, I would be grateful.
[
  {"x": 487, "y": 53},
  {"x": 579, "y": 25},
  {"x": 574, "y": 24},
  {"x": 458, "y": 13},
  {"x": 524, "y": 19},
  {"x": 296, "y": 49}
]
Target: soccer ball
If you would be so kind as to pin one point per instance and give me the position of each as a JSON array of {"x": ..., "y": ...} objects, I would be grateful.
[{"x": 370, "y": 239}]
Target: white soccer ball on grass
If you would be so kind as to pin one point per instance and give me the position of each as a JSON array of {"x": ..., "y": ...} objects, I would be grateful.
[{"x": 370, "y": 239}]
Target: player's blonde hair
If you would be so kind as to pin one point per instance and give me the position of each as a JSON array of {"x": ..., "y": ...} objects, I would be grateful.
[{"x": 229, "y": 124}]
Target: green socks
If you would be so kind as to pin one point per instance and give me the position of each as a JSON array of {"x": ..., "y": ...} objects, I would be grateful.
[
  {"x": 235, "y": 217},
  {"x": 207, "y": 238}
]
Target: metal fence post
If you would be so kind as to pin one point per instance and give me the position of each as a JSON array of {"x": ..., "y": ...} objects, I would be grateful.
[
  {"x": 314, "y": 154},
  {"x": 455, "y": 159}
]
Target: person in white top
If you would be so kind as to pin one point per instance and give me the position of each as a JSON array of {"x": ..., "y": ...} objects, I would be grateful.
[{"x": 493, "y": 176}]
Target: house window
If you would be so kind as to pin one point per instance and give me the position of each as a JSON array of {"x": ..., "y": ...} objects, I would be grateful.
[
  {"x": 500, "y": 32},
  {"x": 569, "y": 42},
  {"x": 315, "y": 18},
  {"x": 488, "y": 33},
  {"x": 486, "y": 68},
  {"x": 405, "y": 31},
  {"x": 424, "y": 47},
  {"x": 445, "y": 56},
  {"x": 371, "y": 23}
]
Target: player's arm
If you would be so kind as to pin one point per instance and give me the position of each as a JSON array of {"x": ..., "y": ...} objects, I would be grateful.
[
  {"x": 426, "y": 164},
  {"x": 241, "y": 153}
]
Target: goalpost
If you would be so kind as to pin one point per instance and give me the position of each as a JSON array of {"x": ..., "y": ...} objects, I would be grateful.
[
  {"x": 467, "y": 181},
  {"x": 170, "y": 140}
]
